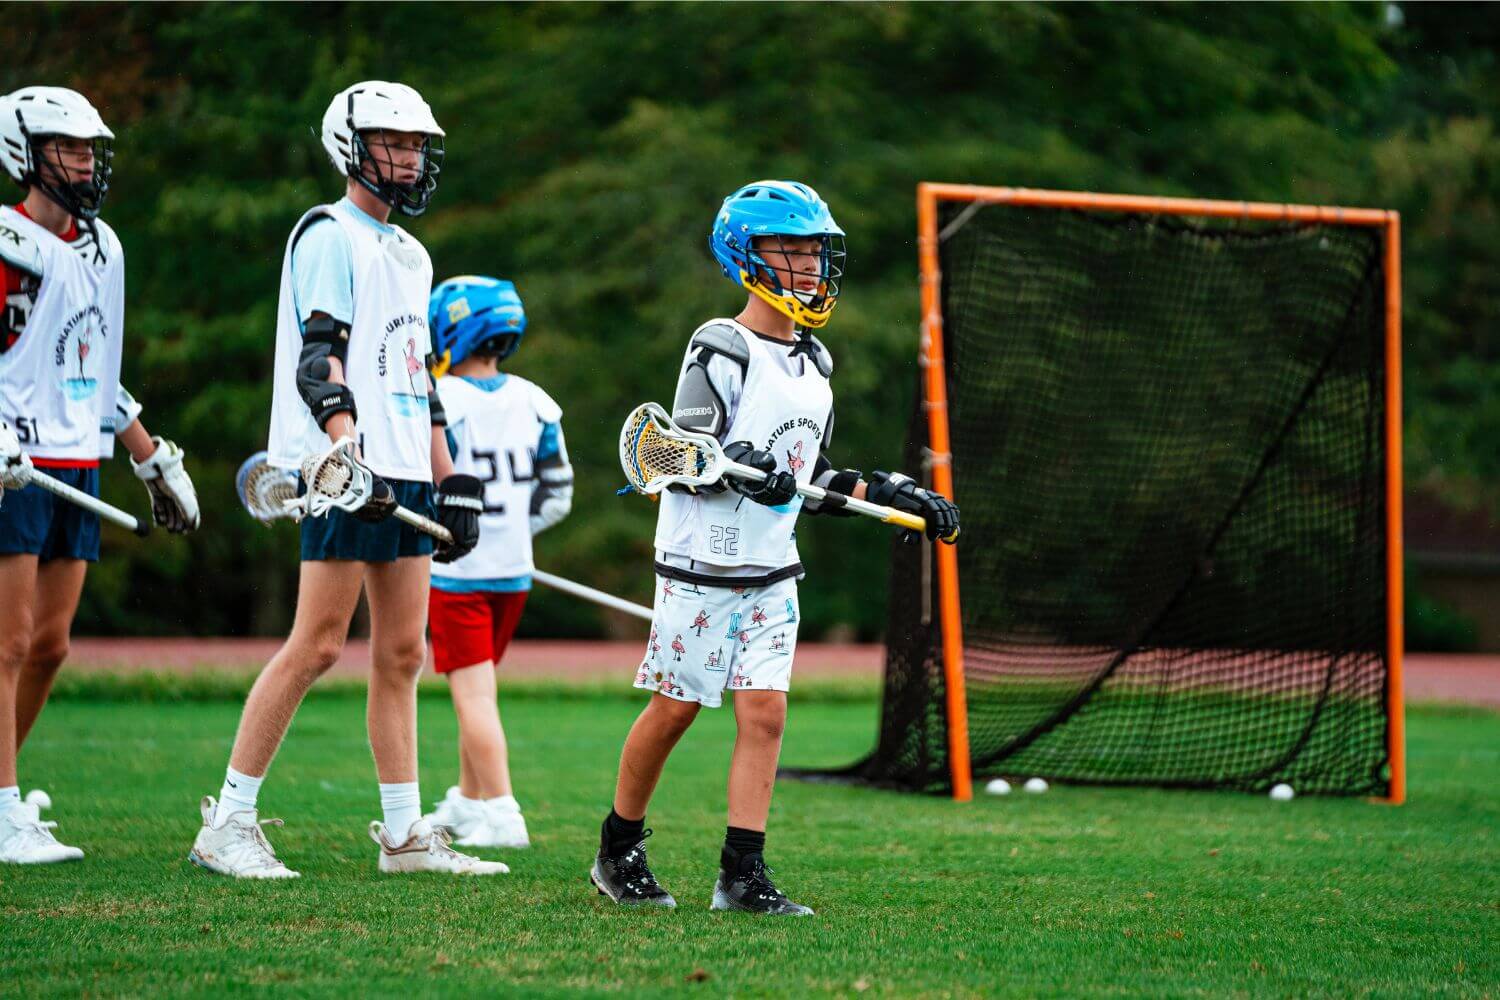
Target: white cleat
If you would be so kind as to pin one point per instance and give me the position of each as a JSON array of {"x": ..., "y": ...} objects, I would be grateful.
[
  {"x": 239, "y": 847},
  {"x": 427, "y": 849},
  {"x": 501, "y": 825},
  {"x": 26, "y": 840}
]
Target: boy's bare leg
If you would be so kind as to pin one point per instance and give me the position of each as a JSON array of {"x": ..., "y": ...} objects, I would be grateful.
[
  {"x": 760, "y": 720},
  {"x": 484, "y": 764},
  {"x": 17, "y": 597},
  {"x": 650, "y": 743},
  {"x": 398, "y": 647},
  {"x": 327, "y": 592},
  {"x": 59, "y": 585}
]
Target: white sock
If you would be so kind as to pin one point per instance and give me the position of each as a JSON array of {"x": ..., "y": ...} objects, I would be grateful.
[
  {"x": 10, "y": 796},
  {"x": 237, "y": 795},
  {"x": 505, "y": 802},
  {"x": 402, "y": 805}
]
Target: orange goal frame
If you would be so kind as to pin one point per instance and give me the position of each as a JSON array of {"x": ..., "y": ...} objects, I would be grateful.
[{"x": 935, "y": 388}]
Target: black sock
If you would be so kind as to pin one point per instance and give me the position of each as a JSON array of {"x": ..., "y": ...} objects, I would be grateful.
[
  {"x": 619, "y": 834},
  {"x": 740, "y": 845}
]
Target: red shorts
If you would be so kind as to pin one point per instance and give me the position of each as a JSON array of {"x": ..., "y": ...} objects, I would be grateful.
[{"x": 471, "y": 628}]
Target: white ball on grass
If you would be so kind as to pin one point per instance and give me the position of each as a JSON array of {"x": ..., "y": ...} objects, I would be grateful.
[
  {"x": 1282, "y": 792},
  {"x": 1037, "y": 785},
  {"x": 39, "y": 798},
  {"x": 998, "y": 786}
]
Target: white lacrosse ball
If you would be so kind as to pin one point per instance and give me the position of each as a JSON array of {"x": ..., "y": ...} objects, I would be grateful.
[
  {"x": 997, "y": 786},
  {"x": 1036, "y": 785},
  {"x": 1282, "y": 792}
]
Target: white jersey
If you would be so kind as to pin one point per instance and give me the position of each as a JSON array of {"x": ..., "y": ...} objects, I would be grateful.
[
  {"x": 783, "y": 408},
  {"x": 58, "y": 382},
  {"x": 497, "y": 434},
  {"x": 388, "y": 347}
]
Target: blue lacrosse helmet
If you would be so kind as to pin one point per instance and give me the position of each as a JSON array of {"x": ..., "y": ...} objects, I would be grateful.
[
  {"x": 470, "y": 314},
  {"x": 779, "y": 209}
]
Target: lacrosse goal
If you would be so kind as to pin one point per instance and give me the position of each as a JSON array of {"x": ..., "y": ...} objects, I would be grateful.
[{"x": 1173, "y": 427}]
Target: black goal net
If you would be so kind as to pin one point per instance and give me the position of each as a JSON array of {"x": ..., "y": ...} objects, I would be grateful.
[{"x": 1168, "y": 449}]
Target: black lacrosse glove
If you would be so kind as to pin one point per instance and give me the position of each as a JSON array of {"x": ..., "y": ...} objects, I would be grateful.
[
  {"x": 382, "y": 502},
  {"x": 892, "y": 489},
  {"x": 773, "y": 491},
  {"x": 460, "y": 501}
]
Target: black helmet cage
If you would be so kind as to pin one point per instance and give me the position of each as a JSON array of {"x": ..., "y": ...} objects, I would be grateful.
[
  {"x": 408, "y": 199},
  {"x": 830, "y": 265},
  {"x": 81, "y": 199}
]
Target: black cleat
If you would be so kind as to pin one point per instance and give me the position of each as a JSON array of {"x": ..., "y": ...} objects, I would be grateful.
[
  {"x": 628, "y": 879},
  {"x": 752, "y": 891}
]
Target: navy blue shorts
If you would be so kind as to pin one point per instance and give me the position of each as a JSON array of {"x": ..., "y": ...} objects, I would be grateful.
[
  {"x": 35, "y": 522},
  {"x": 340, "y": 535}
]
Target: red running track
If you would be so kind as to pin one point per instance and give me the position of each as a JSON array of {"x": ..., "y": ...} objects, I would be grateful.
[{"x": 1469, "y": 679}]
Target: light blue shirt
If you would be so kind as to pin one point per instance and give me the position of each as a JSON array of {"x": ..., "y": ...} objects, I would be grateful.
[{"x": 323, "y": 267}]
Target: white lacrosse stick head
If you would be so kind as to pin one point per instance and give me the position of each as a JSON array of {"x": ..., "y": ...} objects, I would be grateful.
[
  {"x": 655, "y": 453},
  {"x": 265, "y": 490},
  {"x": 335, "y": 479}
]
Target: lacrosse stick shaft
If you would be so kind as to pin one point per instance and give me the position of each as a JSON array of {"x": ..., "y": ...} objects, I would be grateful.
[
  {"x": 887, "y": 514},
  {"x": 428, "y": 526},
  {"x": 77, "y": 497}
]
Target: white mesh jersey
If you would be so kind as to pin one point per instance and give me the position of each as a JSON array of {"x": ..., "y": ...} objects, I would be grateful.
[
  {"x": 496, "y": 433},
  {"x": 58, "y": 382},
  {"x": 783, "y": 407},
  {"x": 388, "y": 347}
]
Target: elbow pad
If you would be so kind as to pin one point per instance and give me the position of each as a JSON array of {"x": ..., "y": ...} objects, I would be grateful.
[
  {"x": 552, "y": 493},
  {"x": 127, "y": 410},
  {"x": 325, "y": 338},
  {"x": 840, "y": 481}
]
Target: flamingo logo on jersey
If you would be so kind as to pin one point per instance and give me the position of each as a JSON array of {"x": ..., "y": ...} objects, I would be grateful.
[
  {"x": 794, "y": 459},
  {"x": 413, "y": 403},
  {"x": 87, "y": 322}
]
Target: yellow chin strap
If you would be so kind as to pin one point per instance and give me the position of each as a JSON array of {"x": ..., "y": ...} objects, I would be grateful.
[
  {"x": 441, "y": 365},
  {"x": 789, "y": 305}
]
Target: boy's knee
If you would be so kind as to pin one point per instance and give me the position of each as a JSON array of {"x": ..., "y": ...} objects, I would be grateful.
[
  {"x": 674, "y": 715},
  {"x": 763, "y": 721},
  {"x": 403, "y": 659},
  {"x": 47, "y": 653}
]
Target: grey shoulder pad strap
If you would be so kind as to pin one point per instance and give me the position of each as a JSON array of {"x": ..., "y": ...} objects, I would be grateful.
[
  {"x": 822, "y": 358},
  {"x": 20, "y": 251},
  {"x": 721, "y": 338}
]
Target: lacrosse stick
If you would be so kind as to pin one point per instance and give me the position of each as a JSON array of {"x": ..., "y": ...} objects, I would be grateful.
[
  {"x": 655, "y": 453},
  {"x": 77, "y": 497},
  {"x": 270, "y": 494}
]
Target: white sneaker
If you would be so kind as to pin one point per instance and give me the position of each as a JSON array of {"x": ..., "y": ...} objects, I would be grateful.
[
  {"x": 426, "y": 850},
  {"x": 26, "y": 840},
  {"x": 239, "y": 847},
  {"x": 501, "y": 825},
  {"x": 460, "y": 815}
]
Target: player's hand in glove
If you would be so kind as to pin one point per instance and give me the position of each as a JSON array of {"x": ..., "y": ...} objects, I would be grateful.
[
  {"x": 382, "y": 503},
  {"x": 460, "y": 501},
  {"x": 773, "y": 491},
  {"x": 892, "y": 489},
  {"x": 14, "y": 463},
  {"x": 174, "y": 502}
]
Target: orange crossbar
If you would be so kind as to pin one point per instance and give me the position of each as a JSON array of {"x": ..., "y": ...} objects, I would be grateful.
[{"x": 928, "y": 196}]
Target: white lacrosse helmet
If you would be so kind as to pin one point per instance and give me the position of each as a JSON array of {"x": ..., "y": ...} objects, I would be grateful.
[
  {"x": 30, "y": 115},
  {"x": 378, "y": 104}
]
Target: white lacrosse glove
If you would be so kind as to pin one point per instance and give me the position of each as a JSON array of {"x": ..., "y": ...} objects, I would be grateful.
[
  {"x": 15, "y": 464},
  {"x": 174, "y": 503}
]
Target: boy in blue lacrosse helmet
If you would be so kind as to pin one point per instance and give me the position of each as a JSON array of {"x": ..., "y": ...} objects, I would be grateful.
[{"x": 726, "y": 563}]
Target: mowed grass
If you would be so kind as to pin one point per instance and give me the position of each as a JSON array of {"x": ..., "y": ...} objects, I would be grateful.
[{"x": 1079, "y": 892}]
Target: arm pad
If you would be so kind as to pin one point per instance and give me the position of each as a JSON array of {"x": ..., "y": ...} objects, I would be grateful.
[
  {"x": 435, "y": 405},
  {"x": 324, "y": 337},
  {"x": 842, "y": 481},
  {"x": 127, "y": 410}
]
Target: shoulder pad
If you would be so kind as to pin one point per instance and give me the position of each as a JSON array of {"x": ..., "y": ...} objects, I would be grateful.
[
  {"x": 20, "y": 251},
  {"x": 721, "y": 338},
  {"x": 822, "y": 358}
]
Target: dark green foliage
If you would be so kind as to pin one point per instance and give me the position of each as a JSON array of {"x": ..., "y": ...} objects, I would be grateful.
[{"x": 589, "y": 145}]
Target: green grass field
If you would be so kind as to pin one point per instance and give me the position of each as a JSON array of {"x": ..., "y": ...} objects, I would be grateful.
[{"x": 1080, "y": 892}]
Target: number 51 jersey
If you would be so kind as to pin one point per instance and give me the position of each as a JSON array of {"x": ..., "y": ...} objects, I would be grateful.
[{"x": 497, "y": 428}]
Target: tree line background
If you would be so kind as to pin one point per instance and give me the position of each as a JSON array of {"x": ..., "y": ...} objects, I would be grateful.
[{"x": 588, "y": 147}]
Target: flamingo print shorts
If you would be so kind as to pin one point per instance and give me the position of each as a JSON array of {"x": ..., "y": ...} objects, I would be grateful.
[{"x": 708, "y": 640}]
